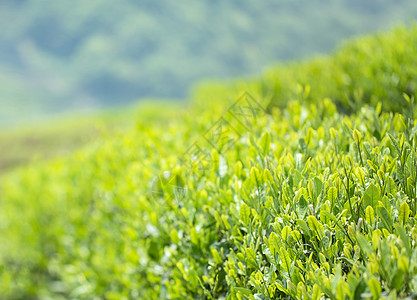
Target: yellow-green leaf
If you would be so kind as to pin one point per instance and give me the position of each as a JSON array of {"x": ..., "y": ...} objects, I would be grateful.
[
  {"x": 364, "y": 244},
  {"x": 309, "y": 136},
  {"x": 245, "y": 214},
  {"x": 369, "y": 215},
  {"x": 268, "y": 176},
  {"x": 372, "y": 165},
  {"x": 265, "y": 143},
  {"x": 242, "y": 291},
  {"x": 332, "y": 133},
  {"x": 374, "y": 287},
  {"x": 216, "y": 256},
  {"x": 371, "y": 196},
  {"x": 251, "y": 258},
  {"x": 285, "y": 259},
  {"x": 357, "y": 135},
  {"x": 385, "y": 217},
  {"x": 315, "y": 226},
  {"x": 404, "y": 213},
  {"x": 226, "y": 222},
  {"x": 254, "y": 176},
  {"x": 332, "y": 194},
  {"x": 274, "y": 243},
  {"x": 285, "y": 232},
  {"x": 215, "y": 159},
  {"x": 360, "y": 175},
  {"x": 316, "y": 292}
]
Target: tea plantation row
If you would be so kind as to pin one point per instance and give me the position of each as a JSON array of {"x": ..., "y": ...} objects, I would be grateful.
[{"x": 295, "y": 188}]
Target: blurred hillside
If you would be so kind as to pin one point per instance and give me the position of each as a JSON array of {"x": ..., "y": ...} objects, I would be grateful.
[{"x": 70, "y": 55}]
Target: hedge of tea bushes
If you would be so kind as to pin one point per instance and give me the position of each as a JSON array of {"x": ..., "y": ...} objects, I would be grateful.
[
  {"x": 232, "y": 201},
  {"x": 369, "y": 70},
  {"x": 379, "y": 68}
]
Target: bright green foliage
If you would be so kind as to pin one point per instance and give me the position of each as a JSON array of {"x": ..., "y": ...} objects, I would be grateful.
[
  {"x": 303, "y": 202},
  {"x": 49, "y": 139},
  {"x": 369, "y": 70}
]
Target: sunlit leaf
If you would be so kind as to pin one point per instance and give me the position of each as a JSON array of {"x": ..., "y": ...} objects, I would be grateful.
[
  {"x": 371, "y": 196},
  {"x": 404, "y": 213}
]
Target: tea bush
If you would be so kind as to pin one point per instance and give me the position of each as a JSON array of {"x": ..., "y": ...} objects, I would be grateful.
[
  {"x": 231, "y": 201},
  {"x": 374, "y": 69}
]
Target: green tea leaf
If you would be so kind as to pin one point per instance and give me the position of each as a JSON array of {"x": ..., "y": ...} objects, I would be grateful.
[
  {"x": 332, "y": 194},
  {"x": 364, "y": 244},
  {"x": 385, "y": 217},
  {"x": 251, "y": 258},
  {"x": 374, "y": 287},
  {"x": 304, "y": 227},
  {"x": 216, "y": 256},
  {"x": 359, "y": 289},
  {"x": 318, "y": 186},
  {"x": 371, "y": 196},
  {"x": 372, "y": 165},
  {"x": 315, "y": 226},
  {"x": 266, "y": 143},
  {"x": 397, "y": 280},
  {"x": 285, "y": 259},
  {"x": 215, "y": 159},
  {"x": 357, "y": 136},
  {"x": 245, "y": 214},
  {"x": 404, "y": 237},
  {"x": 309, "y": 136},
  {"x": 260, "y": 297},
  {"x": 360, "y": 175},
  {"x": 285, "y": 232},
  {"x": 404, "y": 213},
  {"x": 369, "y": 215},
  {"x": 268, "y": 177},
  {"x": 274, "y": 243},
  {"x": 267, "y": 252},
  {"x": 255, "y": 176},
  {"x": 302, "y": 207},
  {"x": 395, "y": 144},
  {"x": 243, "y": 291},
  {"x": 316, "y": 292}
]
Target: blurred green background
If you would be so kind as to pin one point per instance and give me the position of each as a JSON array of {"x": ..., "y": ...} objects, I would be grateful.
[{"x": 60, "y": 56}]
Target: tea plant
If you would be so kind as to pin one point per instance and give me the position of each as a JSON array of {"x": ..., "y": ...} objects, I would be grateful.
[{"x": 305, "y": 202}]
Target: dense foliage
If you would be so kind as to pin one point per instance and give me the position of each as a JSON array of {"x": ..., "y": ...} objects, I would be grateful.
[
  {"x": 371, "y": 70},
  {"x": 229, "y": 200},
  {"x": 58, "y": 137},
  {"x": 63, "y": 55}
]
